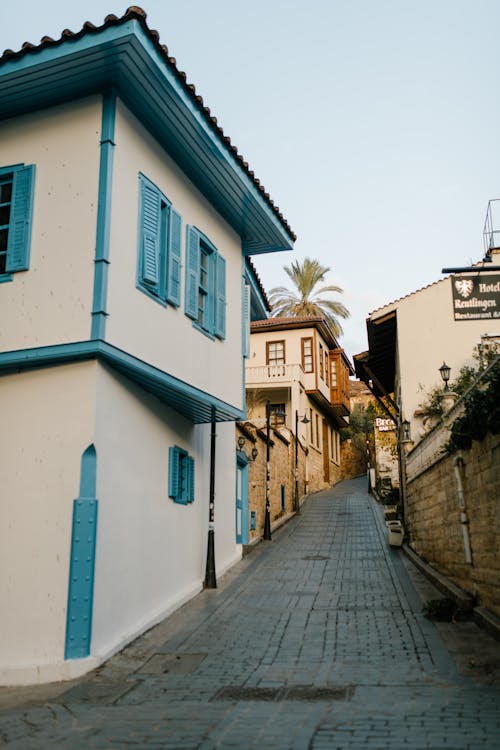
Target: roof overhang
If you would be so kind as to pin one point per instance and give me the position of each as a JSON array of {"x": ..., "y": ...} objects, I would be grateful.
[
  {"x": 378, "y": 364},
  {"x": 291, "y": 323},
  {"x": 194, "y": 404},
  {"x": 259, "y": 304},
  {"x": 124, "y": 55},
  {"x": 327, "y": 408}
]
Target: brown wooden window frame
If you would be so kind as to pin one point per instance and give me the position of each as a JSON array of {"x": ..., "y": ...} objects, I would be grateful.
[
  {"x": 303, "y": 342},
  {"x": 275, "y": 420},
  {"x": 275, "y": 363}
]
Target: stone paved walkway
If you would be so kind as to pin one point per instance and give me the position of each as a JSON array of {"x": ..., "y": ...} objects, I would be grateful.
[{"x": 314, "y": 641}]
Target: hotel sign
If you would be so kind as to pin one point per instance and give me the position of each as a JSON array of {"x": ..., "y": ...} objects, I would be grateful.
[{"x": 476, "y": 297}]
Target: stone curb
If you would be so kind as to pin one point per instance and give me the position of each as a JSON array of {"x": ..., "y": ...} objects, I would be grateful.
[
  {"x": 482, "y": 616},
  {"x": 463, "y": 600},
  {"x": 488, "y": 621}
]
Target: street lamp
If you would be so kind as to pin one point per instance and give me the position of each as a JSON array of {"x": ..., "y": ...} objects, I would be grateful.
[
  {"x": 304, "y": 420},
  {"x": 445, "y": 374},
  {"x": 267, "y": 516}
]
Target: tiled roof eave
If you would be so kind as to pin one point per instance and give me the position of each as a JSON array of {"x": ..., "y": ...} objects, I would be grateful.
[{"x": 124, "y": 50}]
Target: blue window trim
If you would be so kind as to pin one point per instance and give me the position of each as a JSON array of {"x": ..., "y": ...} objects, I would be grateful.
[
  {"x": 215, "y": 322},
  {"x": 181, "y": 483}
]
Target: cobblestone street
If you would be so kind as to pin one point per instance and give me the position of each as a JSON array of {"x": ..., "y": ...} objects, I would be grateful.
[{"x": 314, "y": 640}]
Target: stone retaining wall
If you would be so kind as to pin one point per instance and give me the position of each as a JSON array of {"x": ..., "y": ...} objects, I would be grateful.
[{"x": 433, "y": 519}]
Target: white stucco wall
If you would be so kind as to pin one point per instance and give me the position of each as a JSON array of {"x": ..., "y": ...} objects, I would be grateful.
[
  {"x": 427, "y": 335},
  {"x": 51, "y": 302},
  {"x": 47, "y": 423},
  {"x": 132, "y": 314},
  {"x": 151, "y": 551}
]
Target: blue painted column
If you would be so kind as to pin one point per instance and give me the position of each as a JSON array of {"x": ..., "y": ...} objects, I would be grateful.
[
  {"x": 99, "y": 306},
  {"x": 82, "y": 562}
]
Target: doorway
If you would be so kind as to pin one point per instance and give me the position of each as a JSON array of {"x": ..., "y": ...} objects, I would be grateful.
[{"x": 241, "y": 501}]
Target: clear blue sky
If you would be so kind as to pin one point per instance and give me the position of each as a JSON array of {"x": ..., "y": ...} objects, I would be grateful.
[{"x": 373, "y": 124}]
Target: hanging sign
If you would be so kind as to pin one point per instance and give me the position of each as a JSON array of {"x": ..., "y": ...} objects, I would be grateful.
[
  {"x": 476, "y": 297},
  {"x": 384, "y": 425}
]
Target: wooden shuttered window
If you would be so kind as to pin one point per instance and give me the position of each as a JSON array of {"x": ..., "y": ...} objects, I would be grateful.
[
  {"x": 205, "y": 280},
  {"x": 192, "y": 272},
  {"x": 181, "y": 487},
  {"x": 160, "y": 245},
  {"x": 174, "y": 259},
  {"x": 220, "y": 297},
  {"x": 245, "y": 318},
  {"x": 16, "y": 211}
]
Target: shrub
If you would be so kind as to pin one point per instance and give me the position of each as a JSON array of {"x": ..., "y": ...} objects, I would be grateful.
[{"x": 481, "y": 412}]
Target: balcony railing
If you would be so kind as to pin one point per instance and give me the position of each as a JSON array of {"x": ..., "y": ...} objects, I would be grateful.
[{"x": 271, "y": 374}]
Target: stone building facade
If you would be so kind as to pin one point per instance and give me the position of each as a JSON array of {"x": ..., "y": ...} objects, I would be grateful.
[{"x": 282, "y": 475}]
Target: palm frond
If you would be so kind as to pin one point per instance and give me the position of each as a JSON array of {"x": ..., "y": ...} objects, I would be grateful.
[{"x": 305, "y": 300}]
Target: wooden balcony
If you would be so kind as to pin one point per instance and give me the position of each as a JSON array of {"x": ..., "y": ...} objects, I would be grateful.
[{"x": 340, "y": 370}]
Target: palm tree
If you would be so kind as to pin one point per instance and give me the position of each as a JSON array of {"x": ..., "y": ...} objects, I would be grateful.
[{"x": 305, "y": 300}]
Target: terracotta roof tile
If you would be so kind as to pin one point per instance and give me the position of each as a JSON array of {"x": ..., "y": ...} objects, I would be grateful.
[
  {"x": 259, "y": 284},
  {"x": 139, "y": 14}
]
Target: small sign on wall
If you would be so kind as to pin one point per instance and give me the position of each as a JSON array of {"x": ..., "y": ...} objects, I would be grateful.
[
  {"x": 476, "y": 296},
  {"x": 384, "y": 425}
]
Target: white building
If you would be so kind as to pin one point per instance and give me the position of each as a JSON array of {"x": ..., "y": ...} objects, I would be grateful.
[
  {"x": 410, "y": 338},
  {"x": 126, "y": 222}
]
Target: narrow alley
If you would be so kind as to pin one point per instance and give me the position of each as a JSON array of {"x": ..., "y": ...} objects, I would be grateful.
[{"x": 314, "y": 640}]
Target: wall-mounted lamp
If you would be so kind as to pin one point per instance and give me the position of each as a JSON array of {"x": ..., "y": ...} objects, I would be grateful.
[
  {"x": 405, "y": 431},
  {"x": 445, "y": 375},
  {"x": 241, "y": 445}
]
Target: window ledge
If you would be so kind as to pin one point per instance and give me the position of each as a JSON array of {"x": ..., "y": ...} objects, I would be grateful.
[
  {"x": 144, "y": 289},
  {"x": 203, "y": 331},
  {"x": 6, "y": 277}
]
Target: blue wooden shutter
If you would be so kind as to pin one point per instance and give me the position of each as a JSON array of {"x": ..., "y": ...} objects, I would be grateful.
[
  {"x": 18, "y": 247},
  {"x": 190, "y": 479},
  {"x": 220, "y": 297},
  {"x": 150, "y": 235},
  {"x": 245, "y": 318},
  {"x": 173, "y": 472},
  {"x": 174, "y": 259},
  {"x": 192, "y": 272}
]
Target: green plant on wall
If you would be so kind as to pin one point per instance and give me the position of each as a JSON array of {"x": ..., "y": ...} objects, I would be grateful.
[
  {"x": 481, "y": 412},
  {"x": 467, "y": 375}
]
